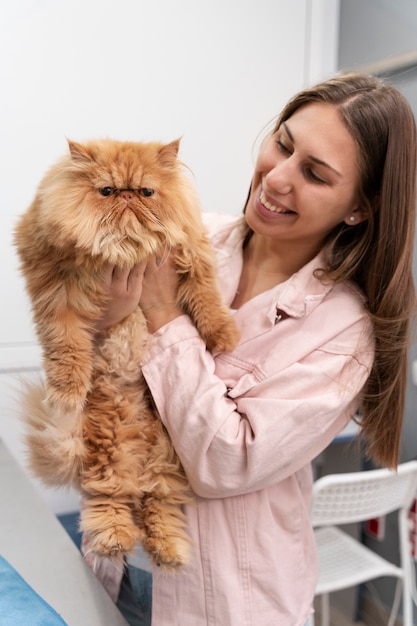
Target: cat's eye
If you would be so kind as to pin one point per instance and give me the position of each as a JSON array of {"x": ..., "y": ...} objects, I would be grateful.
[
  {"x": 146, "y": 191},
  {"x": 106, "y": 191}
]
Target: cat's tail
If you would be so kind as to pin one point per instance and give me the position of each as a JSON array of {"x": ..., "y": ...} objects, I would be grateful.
[{"x": 54, "y": 441}]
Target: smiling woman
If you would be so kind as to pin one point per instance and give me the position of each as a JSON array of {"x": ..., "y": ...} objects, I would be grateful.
[{"x": 304, "y": 185}]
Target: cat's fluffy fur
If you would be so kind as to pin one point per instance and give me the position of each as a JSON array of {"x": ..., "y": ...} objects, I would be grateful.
[{"x": 91, "y": 424}]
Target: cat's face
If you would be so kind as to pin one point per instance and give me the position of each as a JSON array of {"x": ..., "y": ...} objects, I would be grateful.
[{"x": 120, "y": 200}]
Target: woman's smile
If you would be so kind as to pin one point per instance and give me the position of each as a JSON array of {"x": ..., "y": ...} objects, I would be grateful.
[{"x": 274, "y": 206}]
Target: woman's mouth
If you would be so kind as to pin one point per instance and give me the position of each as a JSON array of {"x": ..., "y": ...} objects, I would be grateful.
[{"x": 272, "y": 207}]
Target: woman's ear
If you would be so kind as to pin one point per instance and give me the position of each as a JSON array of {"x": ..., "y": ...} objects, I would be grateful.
[{"x": 356, "y": 217}]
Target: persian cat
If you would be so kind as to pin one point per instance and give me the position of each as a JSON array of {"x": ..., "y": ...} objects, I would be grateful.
[{"x": 91, "y": 423}]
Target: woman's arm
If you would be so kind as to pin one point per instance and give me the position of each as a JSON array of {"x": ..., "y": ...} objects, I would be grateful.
[{"x": 233, "y": 439}]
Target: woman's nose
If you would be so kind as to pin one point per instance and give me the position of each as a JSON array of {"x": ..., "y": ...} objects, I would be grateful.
[{"x": 281, "y": 177}]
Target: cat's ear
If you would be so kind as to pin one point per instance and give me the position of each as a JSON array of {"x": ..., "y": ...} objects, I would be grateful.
[
  {"x": 79, "y": 153},
  {"x": 168, "y": 153}
]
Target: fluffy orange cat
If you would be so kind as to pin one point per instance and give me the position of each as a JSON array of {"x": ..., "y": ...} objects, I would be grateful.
[{"x": 91, "y": 423}]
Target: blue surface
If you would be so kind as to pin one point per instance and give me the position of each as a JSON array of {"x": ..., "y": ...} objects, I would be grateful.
[{"x": 20, "y": 604}]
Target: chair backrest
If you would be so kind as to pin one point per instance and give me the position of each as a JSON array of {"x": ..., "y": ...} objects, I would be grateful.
[{"x": 358, "y": 496}]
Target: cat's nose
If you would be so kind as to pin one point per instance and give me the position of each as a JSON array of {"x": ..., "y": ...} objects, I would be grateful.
[{"x": 127, "y": 195}]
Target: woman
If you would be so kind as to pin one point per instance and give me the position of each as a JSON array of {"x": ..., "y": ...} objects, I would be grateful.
[{"x": 319, "y": 276}]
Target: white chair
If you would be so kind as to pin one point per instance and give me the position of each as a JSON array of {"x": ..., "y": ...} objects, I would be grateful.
[{"x": 345, "y": 562}]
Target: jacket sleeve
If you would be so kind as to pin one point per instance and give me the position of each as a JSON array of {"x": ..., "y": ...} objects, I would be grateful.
[{"x": 234, "y": 445}]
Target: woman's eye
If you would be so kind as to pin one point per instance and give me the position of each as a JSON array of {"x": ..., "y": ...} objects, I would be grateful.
[
  {"x": 283, "y": 147},
  {"x": 313, "y": 177},
  {"x": 146, "y": 191},
  {"x": 106, "y": 191}
]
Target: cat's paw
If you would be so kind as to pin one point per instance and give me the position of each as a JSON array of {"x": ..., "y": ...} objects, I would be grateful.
[
  {"x": 224, "y": 338},
  {"x": 115, "y": 541},
  {"x": 169, "y": 553}
]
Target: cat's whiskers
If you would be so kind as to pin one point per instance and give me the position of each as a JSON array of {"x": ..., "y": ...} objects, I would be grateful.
[
  {"x": 156, "y": 220},
  {"x": 165, "y": 254}
]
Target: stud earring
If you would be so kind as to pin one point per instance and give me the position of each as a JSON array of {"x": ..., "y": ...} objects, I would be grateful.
[{"x": 352, "y": 218}]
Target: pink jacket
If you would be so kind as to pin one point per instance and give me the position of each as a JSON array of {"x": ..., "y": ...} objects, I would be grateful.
[{"x": 246, "y": 426}]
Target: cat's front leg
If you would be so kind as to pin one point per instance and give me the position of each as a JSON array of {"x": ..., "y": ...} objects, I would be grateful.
[
  {"x": 199, "y": 296},
  {"x": 67, "y": 360}
]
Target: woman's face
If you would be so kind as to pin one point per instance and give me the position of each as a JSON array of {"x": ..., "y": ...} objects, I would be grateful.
[{"x": 306, "y": 179}]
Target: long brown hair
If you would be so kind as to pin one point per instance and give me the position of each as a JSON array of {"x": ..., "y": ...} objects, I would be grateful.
[{"x": 377, "y": 254}]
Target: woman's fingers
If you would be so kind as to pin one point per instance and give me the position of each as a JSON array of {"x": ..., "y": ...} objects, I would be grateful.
[
  {"x": 118, "y": 281},
  {"x": 135, "y": 276},
  {"x": 124, "y": 289}
]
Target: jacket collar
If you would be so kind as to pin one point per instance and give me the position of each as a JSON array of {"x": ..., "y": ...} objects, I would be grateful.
[
  {"x": 296, "y": 297},
  {"x": 302, "y": 292}
]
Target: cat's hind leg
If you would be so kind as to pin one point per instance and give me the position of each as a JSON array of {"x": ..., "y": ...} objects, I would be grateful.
[
  {"x": 165, "y": 491},
  {"x": 109, "y": 526},
  {"x": 116, "y": 445},
  {"x": 165, "y": 539}
]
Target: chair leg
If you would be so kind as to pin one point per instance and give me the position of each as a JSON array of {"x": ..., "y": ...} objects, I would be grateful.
[
  {"x": 407, "y": 564},
  {"x": 399, "y": 591},
  {"x": 407, "y": 605},
  {"x": 325, "y": 610}
]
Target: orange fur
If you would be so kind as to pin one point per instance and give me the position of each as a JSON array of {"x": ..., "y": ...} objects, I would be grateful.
[{"x": 92, "y": 424}]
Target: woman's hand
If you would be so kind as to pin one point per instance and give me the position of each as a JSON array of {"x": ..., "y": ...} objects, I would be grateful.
[
  {"x": 124, "y": 289},
  {"x": 151, "y": 284},
  {"x": 159, "y": 293}
]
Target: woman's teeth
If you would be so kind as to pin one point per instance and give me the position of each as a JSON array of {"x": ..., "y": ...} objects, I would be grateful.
[{"x": 271, "y": 207}]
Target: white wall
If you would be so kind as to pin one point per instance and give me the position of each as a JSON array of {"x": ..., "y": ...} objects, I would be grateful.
[{"x": 212, "y": 72}]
